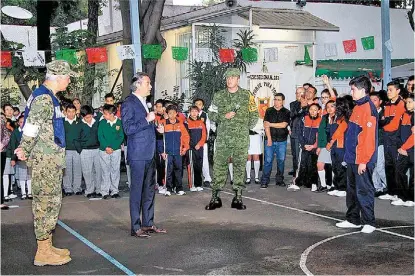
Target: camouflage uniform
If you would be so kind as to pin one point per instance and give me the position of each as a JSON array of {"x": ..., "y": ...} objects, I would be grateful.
[
  {"x": 46, "y": 159},
  {"x": 232, "y": 135}
]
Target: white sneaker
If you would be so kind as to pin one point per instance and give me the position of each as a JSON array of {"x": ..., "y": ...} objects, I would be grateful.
[
  {"x": 398, "y": 202},
  {"x": 332, "y": 193},
  {"x": 167, "y": 193},
  {"x": 293, "y": 188},
  {"x": 199, "y": 189},
  {"x": 386, "y": 197},
  {"x": 395, "y": 198},
  {"x": 409, "y": 203},
  {"x": 346, "y": 224},
  {"x": 313, "y": 187},
  {"x": 193, "y": 189},
  {"x": 340, "y": 193},
  {"x": 367, "y": 229},
  {"x": 12, "y": 196},
  {"x": 162, "y": 190},
  {"x": 181, "y": 193}
]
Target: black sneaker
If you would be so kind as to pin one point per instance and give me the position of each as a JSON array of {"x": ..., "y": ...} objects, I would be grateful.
[
  {"x": 92, "y": 195},
  {"x": 98, "y": 195},
  {"x": 78, "y": 193},
  {"x": 106, "y": 197},
  {"x": 331, "y": 189},
  {"x": 321, "y": 189},
  {"x": 264, "y": 186},
  {"x": 115, "y": 196}
]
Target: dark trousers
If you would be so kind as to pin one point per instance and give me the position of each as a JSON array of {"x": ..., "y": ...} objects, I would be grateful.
[
  {"x": 142, "y": 193},
  {"x": 328, "y": 168},
  {"x": 295, "y": 151},
  {"x": 174, "y": 172},
  {"x": 197, "y": 160},
  {"x": 339, "y": 170},
  {"x": 405, "y": 189},
  {"x": 3, "y": 165},
  {"x": 360, "y": 197},
  {"x": 307, "y": 174},
  {"x": 391, "y": 154},
  {"x": 160, "y": 163}
]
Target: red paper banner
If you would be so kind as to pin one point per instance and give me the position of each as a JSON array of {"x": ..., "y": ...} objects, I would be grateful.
[
  {"x": 349, "y": 46},
  {"x": 96, "y": 55},
  {"x": 6, "y": 59},
  {"x": 226, "y": 55}
]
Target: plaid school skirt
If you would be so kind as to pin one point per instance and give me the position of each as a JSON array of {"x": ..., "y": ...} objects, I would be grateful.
[
  {"x": 23, "y": 172},
  {"x": 8, "y": 169}
]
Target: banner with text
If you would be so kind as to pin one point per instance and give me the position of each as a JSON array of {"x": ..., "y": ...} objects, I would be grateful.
[{"x": 263, "y": 86}]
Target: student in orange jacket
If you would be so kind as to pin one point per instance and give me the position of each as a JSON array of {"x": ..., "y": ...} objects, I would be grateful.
[
  {"x": 197, "y": 131},
  {"x": 394, "y": 110},
  {"x": 177, "y": 143},
  {"x": 361, "y": 156}
]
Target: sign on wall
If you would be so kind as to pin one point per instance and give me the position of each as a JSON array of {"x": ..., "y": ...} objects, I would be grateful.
[{"x": 263, "y": 86}]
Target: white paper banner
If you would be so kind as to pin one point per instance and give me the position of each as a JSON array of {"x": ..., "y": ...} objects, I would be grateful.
[
  {"x": 263, "y": 86},
  {"x": 204, "y": 55},
  {"x": 330, "y": 49},
  {"x": 34, "y": 58},
  {"x": 270, "y": 54},
  {"x": 126, "y": 51}
]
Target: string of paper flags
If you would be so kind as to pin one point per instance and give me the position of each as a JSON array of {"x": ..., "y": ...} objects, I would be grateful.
[
  {"x": 350, "y": 46},
  {"x": 33, "y": 58}
]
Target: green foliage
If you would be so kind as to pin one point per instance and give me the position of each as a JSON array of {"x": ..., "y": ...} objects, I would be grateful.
[
  {"x": 207, "y": 77},
  {"x": 176, "y": 98}
]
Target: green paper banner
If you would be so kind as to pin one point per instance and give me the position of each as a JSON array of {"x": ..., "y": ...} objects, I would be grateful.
[
  {"x": 250, "y": 54},
  {"x": 68, "y": 55},
  {"x": 368, "y": 42},
  {"x": 152, "y": 51},
  {"x": 180, "y": 53},
  {"x": 307, "y": 58}
]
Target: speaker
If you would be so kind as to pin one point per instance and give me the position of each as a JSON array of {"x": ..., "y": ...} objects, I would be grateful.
[{"x": 230, "y": 3}]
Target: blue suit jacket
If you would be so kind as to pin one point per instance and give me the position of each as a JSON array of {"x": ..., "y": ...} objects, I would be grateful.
[{"x": 141, "y": 136}]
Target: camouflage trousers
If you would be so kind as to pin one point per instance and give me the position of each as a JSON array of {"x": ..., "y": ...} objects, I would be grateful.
[
  {"x": 47, "y": 196},
  {"x": 238, "y": 153}
]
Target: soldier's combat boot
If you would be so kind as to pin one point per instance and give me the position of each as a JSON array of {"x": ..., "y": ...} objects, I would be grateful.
[
  {"x": 46, "y": 256},
  {"x": 237, "y": 201},
  {"x": 59, "y": 251},
  {"x": 215, "y": 202}
]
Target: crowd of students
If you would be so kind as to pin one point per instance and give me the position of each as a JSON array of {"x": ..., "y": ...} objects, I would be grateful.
[{"x": 317, "y": 126}]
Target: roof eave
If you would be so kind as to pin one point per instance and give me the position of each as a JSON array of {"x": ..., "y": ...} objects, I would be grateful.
[{"x": 302, "y": 28}]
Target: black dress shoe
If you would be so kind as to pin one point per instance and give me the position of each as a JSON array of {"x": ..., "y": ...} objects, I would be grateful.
[
  {"x": 78, "y": 193},
  {"x": 238, "y": 205},
  {"x": 29, "y": 196},
  {"x": 213, "y": 204},
  {"x": 5, "y": 207},
  {"x": 257, "y": 181},
  {"x": 68, "y": 193},
  {"x": 206, "y": 184},
  {"x": 91, "y": 195},
  {"x": 115, "y": 196},
  {"x": 98, "y": 195},
  {"x": 106, "y": 197},
  {"x": 291, "y": 173}
]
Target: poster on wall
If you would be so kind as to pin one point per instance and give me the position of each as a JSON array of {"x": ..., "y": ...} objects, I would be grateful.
[{"x": 263, "y": 86}]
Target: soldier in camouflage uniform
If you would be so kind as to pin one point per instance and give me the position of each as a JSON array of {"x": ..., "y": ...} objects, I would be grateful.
[
  {"x": 235, "y": 112},
  {"x": 43, "y": 145}
]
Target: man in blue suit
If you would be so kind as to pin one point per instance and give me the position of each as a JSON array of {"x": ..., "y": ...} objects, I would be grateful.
[{"x": 141, "y": 139}]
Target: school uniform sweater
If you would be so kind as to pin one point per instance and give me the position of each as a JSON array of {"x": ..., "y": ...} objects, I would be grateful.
[
  {"x": 110, "y": 134},
  {"x": 309, "y": 130},
  {"x": 89, "y": 135},
  {"x": 72, "y": 134},
  {"x": 393, "y": 115},
  {"x": 323, "y": 131},
  {"x": 176, "y": 137},
  {"x": 406, "y": 134},
  {"x": 361, "y": 139},
  {"x": 336, "y": 133},
  {"x": 14, "y": 143},
  {"x": 197, "y": 132}
]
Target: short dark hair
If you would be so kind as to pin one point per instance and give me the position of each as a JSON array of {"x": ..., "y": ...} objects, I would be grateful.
[
  {"x": 280, "y": 95},
  {"x": 20, "y": 117},
  {"x": 312, "y": 87},
  {"x": 395, "y": 83},
  {"x": 109, "y": 95},
  {"x": 110, "y": 108},
  {"x": 307, "y": 84},
  {"x": 193, "y": 107},
  {"x": 410, "y": 96},
  {"x": 411, "y": 78},
  {"x": 199, "y": 100},
  {"x": 362, "y": 82},
  {"x": 375, "y": 94},
  {"x": 7, "y": 104},
  {"x": 159, "y": 101},
  {"x": 316, "y": 104},
  {"x": 171, "y": 107},
  {"x": 16, "y": 109},
  {"x": 70, "y": 106},
  {"x": 86, "y": 110}
]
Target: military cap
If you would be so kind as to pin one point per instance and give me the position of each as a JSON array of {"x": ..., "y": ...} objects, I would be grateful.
[
  {"x": 59, "y": 67},
  {"x": 232, "y": 72}
]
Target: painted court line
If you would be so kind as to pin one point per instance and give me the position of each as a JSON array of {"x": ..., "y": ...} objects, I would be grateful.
[
  {"x": 96, "y": 248},
  {"x": 315, "y": 214},
  {"x": 304, "y": 256}
]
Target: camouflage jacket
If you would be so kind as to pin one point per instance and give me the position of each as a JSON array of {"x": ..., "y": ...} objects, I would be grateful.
[
  {"x": 38, "y": 136},
  {"x": 243, "y": 103}
]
